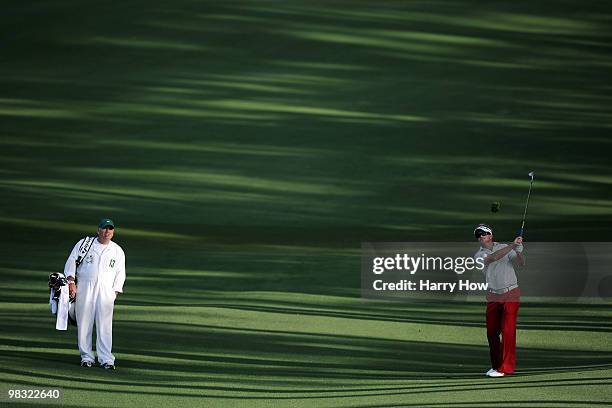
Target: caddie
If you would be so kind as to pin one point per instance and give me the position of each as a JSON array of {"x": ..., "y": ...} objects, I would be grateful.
[
  {"x": 95, "y": 271},
  {"x": 503, "y": 297}
]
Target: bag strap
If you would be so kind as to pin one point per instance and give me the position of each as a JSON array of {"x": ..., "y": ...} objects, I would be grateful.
[{"x": 84, "y": 249}]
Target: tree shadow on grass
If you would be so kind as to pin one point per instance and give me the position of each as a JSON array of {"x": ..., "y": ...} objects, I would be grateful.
[
  {"x": 282, "y": 141},
  {"x": 260, "y": 389},
  {"x": 213, "y": 349}
]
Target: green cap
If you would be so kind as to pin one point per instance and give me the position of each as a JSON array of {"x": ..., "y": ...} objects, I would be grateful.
[{"x": 105, "y": 222}]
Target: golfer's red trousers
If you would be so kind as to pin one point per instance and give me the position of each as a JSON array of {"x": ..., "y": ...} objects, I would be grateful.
[{"x": 502, "y": 311}]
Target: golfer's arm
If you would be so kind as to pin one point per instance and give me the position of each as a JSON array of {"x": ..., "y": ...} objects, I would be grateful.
[
  {"x": 499, "y": 254},
  {"x": 519, "y": 260}
]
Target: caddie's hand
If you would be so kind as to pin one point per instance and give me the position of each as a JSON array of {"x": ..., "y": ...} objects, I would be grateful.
[{"x": 72, "y": 290}]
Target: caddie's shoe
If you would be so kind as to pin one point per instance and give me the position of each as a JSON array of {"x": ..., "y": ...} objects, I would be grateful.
[
  {"x": 495, "y": 374},
  {"x": 489, "y": 372},
  {"x": 108, "y": 366},
  {"x": 87, "y": 364}
]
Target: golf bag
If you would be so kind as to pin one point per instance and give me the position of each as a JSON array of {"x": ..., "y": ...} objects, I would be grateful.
[
  {"x": 56, "y": 281},
  {"x": 57, "y": 284}
]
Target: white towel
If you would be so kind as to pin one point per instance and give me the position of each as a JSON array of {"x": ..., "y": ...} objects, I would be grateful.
[
  {"x": 62, "y": 310},
  {"x": 53, "y": 302}
]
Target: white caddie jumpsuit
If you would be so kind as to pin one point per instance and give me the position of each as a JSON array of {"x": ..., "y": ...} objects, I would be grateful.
[{"x": 100, "y": 275}]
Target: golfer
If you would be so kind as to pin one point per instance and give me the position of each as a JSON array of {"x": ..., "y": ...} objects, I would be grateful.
[
  {"x": 503, "y": 297},
  {"x": 100, "y": 279}
]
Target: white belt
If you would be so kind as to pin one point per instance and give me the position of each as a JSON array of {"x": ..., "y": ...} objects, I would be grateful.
[{"x": 503, "y": 290}]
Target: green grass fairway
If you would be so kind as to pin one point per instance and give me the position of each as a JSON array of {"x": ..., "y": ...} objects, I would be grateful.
[{"x": 245, "y": 149}]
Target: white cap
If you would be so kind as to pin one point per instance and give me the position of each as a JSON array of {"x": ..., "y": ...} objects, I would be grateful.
[{"x": 483, "y": 228}]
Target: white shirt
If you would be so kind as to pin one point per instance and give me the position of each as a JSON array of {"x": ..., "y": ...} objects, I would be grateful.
[{"x": 499, "y": 274}]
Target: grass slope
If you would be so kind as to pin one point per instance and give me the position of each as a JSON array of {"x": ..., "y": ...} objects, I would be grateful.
[{"x": 245, "y": 149}]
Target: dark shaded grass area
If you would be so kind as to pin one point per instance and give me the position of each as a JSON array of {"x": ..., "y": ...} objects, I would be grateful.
[
  {"x": 399, "y": 120},
  {"x": 246, "y": 149}
]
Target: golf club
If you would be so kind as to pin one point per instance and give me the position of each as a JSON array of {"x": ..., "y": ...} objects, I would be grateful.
[{"x": 532, "y": 175}]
